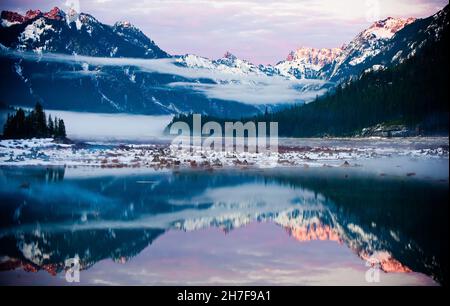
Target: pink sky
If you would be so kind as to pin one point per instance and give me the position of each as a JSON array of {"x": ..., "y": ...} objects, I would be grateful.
[{"x": 262, "y": 31}]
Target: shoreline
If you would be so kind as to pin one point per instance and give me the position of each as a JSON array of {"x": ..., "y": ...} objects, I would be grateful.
[{"x": 421, "y": 157}]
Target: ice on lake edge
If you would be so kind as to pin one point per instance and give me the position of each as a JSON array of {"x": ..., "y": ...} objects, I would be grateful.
[{"x": 425, "y": 156}]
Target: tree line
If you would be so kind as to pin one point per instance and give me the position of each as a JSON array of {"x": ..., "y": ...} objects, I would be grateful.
[
  {"x": 414, "y": 93},
  {"x": 33, "y": 124}
]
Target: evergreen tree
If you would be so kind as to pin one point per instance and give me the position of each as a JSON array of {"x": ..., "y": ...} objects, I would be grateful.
[
  {"x": 413, "y": 93},
  {"x": 55, "y": 126},
  {"x": 51, "y": 126},
  {"x": 61, "y": 129},
  {"x": 39, "y": 122},
  {"x": 19, "y": 125},
  {"x": 33, "y": 124},
  {"x": 7, "y": 129}
]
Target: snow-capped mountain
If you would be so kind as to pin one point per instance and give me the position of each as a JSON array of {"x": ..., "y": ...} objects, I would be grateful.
[
  {"x": 74, "y": 33},
  {"x": 329, "y": 63},
  {"x": 385, "y": 43},
  {"x": 370, "y": 42},
  {"x": 49, "y": 56},
  {"x": 229, "y": 63},
  {"x": 365, "y": 46},
  {"x": 308, "y": 63},
  {"x": 370, "y": 49}
]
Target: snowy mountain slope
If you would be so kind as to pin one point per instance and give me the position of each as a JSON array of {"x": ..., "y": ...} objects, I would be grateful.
[
  {"x": 32, "y": 65},
  {"x": 50, "y": 56},
  {"x": 103, "y": 85},
  {"x": 148, "y": 86},
  {"x": 386, "y": 42},
  {"x": 407, "y": 42},
  {"x": 311, "y": 63},
  {"x": 261, "y": 84},
  {"x": 229, "y": 64},
  {"x": 308, "y": 63},
  {"x": 366, "y": 46},
  {"x": 74, "y": 33}
]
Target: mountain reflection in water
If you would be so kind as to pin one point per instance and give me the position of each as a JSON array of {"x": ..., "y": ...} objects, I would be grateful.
[{"x": 51, "y": 214}]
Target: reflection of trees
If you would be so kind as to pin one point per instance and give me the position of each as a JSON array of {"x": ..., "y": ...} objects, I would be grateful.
[
  {"x": 30, "y": 175},
  {"x": 50, "y": 250},
  {"x": 408, "y": 217},
  {"x": 54, "y": 174}
]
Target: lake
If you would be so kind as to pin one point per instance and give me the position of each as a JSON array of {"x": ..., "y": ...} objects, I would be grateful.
[{"x": 290, "y": 226}]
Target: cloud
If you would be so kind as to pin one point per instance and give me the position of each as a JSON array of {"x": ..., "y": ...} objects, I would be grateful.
[
  {"x": 249, "y": 88},
  {"x": 259, "y": 93},
  {"x": 104, "y": 127}
]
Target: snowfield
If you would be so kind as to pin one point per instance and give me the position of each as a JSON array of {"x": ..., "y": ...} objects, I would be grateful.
[{"x": 380, "y": 154}]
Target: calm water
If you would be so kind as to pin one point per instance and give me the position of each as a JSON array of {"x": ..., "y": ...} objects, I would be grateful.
[{"x": 291, "y": 226}]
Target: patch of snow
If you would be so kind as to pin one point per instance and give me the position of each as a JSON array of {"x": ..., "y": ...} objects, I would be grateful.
[
  {"x": 113, "y": 51},
  {"x": 78, "y": 24},
  {"x": 105, "y": 98},
  {"x": 162, "y": 154},
  {"x": 6, "y": 23},
  {"x": 130, "y": 76},
  {"x": 375, "y": 68},
  {"x": 33, "y": 31}
]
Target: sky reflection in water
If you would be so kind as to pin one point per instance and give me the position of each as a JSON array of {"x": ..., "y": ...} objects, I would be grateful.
[{"x": 288, "y": 226}]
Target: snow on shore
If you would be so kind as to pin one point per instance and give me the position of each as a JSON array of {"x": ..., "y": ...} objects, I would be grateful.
[{"x": 316, "y": 153}]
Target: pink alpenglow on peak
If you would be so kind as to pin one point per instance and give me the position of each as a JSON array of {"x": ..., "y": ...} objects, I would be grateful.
[
  {"x": 55, "y": 13},
  {"x": 291, "y": 56},
  {"x": 388, "y": 27},
  {"x": 9, "y": 18},
  {"x": 31, "y": 14},
  {"x": 12, "y": 17},
  {"x": 314, "y": 56},
  {"x": 385, "y": 261},
  {"x": 15, "y": 18}
]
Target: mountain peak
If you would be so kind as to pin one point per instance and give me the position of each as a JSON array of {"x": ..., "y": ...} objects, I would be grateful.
[
  {"x": 55, "y": 13},
  {"x": 315, "y": 56},
  {"x": 9, "y": 18},
  {"x": 229, "y": 56},
  {"x": 12, "y": 17},
  {"x": 386, "y": 28},
  {"x": 307, "y": 62},
  {"x": 16, "y": 18},
  {"x": 124, "y": 24},
  {"x": 31, "y": 14},
  {"x": 49, "y": 31}
]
